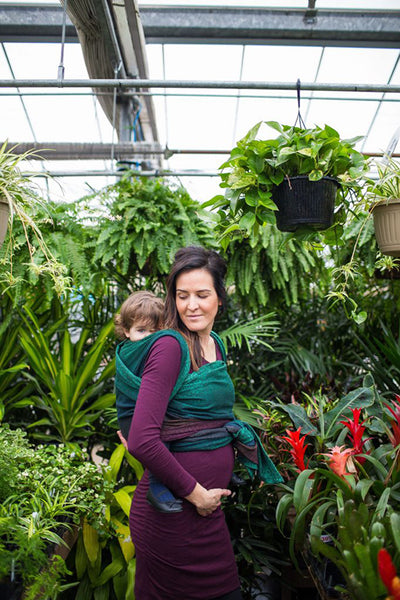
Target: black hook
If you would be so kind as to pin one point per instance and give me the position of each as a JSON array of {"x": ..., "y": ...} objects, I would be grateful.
[{"x": 299, "y": 118}]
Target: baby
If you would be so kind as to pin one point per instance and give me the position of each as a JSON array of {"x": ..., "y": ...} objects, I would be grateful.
[{"x": 140, "y": 316}]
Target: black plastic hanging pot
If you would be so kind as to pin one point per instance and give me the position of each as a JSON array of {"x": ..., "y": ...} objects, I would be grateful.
[{"x": 305, "y": 203}]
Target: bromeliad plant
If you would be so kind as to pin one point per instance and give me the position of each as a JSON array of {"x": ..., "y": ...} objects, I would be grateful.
[{"x": 350, "y": 493}]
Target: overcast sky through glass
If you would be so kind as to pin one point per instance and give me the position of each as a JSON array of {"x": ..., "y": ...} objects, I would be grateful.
[{"x": 204, "y": 119}]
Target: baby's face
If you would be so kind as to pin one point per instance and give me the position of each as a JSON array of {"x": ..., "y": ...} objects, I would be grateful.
[{"x": 138, "y": 331}]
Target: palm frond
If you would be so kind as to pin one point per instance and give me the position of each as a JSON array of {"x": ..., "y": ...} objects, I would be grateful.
[{"x": 252, "y": 332}]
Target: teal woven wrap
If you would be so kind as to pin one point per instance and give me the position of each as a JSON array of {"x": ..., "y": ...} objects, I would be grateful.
[
  {"x": 204, "y": 394},
  {"x": 243, "y": 437},
  {"x": 130, "y": 360}
]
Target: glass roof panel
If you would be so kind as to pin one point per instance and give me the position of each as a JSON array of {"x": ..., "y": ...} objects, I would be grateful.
[{"x": 204, "y": 119}]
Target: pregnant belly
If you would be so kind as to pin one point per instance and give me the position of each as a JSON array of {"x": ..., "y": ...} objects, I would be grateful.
[
  {"x": 149, "y": 527},
  {"x": 211, "y": 468}
]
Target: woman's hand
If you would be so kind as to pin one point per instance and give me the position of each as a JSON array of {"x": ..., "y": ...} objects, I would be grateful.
[{"x": 206, "y": 501}]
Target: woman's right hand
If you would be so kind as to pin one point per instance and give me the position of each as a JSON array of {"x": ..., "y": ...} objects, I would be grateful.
[{"x": 206, "y": 501}]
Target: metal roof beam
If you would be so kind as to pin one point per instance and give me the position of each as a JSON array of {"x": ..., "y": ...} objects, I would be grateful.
[
  {"x": 88, "y": 151},
  {"x": 34, "y": 23},
  {"x": 122, "y": 151},
  {"x": 167, "y": 24},
  {"x": 272, "y": 26}
]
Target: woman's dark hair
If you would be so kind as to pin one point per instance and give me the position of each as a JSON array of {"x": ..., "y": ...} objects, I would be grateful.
[{"x": 188, "y": 259}]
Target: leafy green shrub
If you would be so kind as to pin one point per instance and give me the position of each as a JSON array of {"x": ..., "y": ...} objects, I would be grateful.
[
  {"x": 14, "y": 451},
  {"x": 135, "y": 226},
  {"x": 70, "y": 378},
  {"x": 44, "y": 491}
]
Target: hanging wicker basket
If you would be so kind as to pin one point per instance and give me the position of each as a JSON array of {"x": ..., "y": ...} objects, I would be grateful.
[
  {"x": 387, "y": 226},
  {"x": 305, "y": 203},
  {"x": 4, "y": 214}
]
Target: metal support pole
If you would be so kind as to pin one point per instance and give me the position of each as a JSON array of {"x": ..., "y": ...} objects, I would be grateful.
[
  {"x": 123, "y": 150},
  {"x": 157, "y": 83},
  {"x": 134, "y": 173}
]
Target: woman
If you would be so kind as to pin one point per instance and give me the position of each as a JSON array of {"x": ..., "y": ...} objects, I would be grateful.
[{"x": 185, "y": 390}]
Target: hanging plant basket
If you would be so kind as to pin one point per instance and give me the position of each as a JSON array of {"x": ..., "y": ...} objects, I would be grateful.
[
  {"x": 4, "y": 214},
  {"x": 305, "y": 203},
  {"x": 387, "y": 226}
]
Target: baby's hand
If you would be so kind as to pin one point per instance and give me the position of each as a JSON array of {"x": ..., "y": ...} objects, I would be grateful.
[{"x": 123, "y": 440}]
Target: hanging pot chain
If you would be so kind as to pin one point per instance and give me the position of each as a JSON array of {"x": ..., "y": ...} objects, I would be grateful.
[
  {"x": 114, "y": 117},
  {"x": 61, "y": 68}
]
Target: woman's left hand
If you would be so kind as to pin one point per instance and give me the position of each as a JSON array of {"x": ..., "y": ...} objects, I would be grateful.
[{"x": 206, "y": 501}]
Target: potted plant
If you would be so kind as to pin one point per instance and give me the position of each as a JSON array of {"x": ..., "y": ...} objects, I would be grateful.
[
  {"x": 300, "y": 169},
  {"x": 16, "y": 193},
  {"x": 384, "y": 193}
]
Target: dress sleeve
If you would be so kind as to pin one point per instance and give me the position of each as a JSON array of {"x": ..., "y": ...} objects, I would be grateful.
[{"x": 144, "y": 441}]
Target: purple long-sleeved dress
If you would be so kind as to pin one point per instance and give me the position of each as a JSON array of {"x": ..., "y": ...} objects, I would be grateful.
[{"x": 180, "y": 556}]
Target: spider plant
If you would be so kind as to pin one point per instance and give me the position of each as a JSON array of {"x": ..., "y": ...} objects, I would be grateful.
[
  {"x": 387, "y": 185},
  {"x": 19, "y": 200}
]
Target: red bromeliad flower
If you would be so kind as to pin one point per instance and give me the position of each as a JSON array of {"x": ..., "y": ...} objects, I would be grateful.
[
  {"x": 356, "y": 430},
  {"x": 298, "y": 447},
  {"x": 394, "y": 436},
  {"x": 387, "y": 572}
]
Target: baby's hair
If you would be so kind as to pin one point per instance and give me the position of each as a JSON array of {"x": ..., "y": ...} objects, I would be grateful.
[{"x": 140, "y": 307}]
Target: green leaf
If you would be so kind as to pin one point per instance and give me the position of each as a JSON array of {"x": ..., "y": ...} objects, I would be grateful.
[
  {"x": 251, "y": 134},
  {"x": 395, "y": 527},
  {"x": 316, "y": 175},
  {"x": 382, "y": 505},
  {"x": 90, "y": 541},
  {"x": 135, "y": 464},
  {"x": 359, "y": 317},
  {"x": 318, "y": 524},
  {"x": 302, "y": 489},
  {"x": 362, "y": 488},
  {"x": 299, "y": 417},
  {"x": 85, "y": 590},
  {"x": 131, "y": 571},
  {"x": 247, "y": 221},
  {"x": 251, "y": 197},
  {"x": 215, "y": 201},
  {"x": 115, "y": 462},
  {"x": 282, "y": 510},
  {"x": 110, "y": 571},
  {"x": 80, "y": 558},
  {"x": 124, "y": 501}
]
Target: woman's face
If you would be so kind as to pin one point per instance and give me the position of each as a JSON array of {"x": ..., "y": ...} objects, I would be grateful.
[{"x": 196, "y": 300}]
